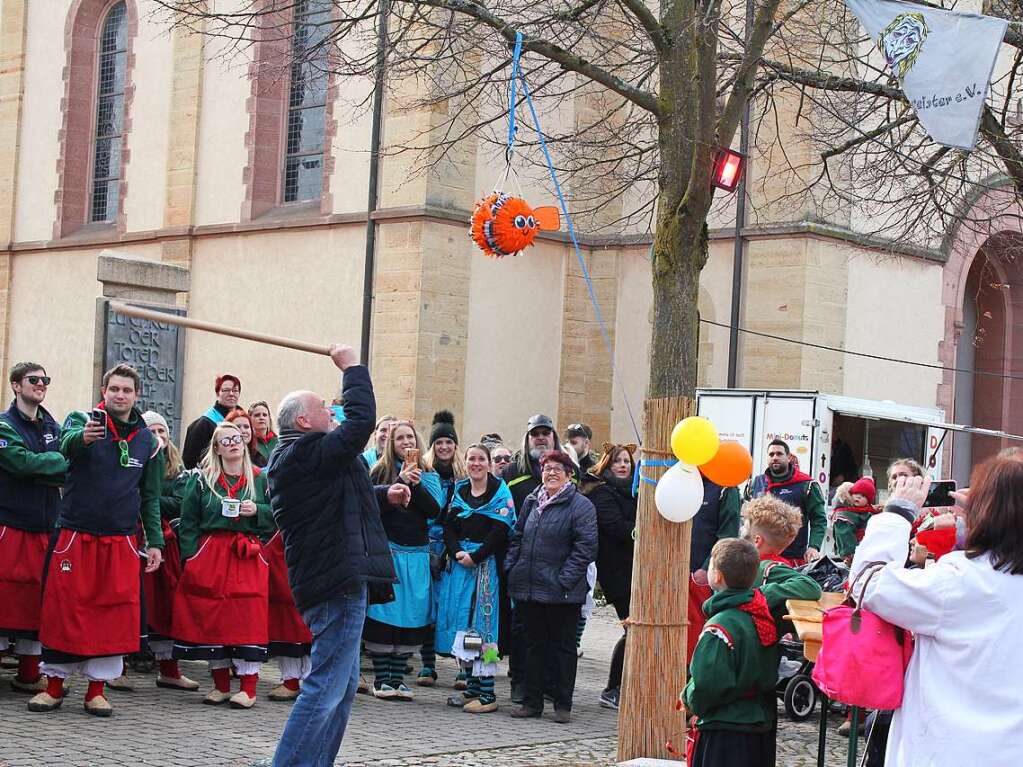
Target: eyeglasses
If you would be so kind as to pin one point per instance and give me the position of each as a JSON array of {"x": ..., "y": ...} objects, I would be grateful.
[
  {"x": 36, "y": 380},
  {"x": 125, "y": 457},
  {"x": 230, "y": 391},
  {"x": 502, "y": 459},
  {"x": 228, "y": 441},
  {"x": 541, "y": 431},
  {"x": 553, "y": 468}
]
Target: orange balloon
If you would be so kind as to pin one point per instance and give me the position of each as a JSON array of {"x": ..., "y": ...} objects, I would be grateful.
[{"x": 731, "y": 465}]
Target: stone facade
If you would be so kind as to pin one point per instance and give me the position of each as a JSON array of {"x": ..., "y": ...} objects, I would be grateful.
[{"x": 493, "y": 341}]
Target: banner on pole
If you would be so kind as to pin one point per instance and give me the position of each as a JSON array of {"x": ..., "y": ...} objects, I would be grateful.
[{"x": 942, "y": 59}]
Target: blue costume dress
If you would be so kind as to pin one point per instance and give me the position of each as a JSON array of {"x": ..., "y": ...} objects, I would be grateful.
[
  {"x": 405, "y": 623},
  {"x": 468, "y": 597}
]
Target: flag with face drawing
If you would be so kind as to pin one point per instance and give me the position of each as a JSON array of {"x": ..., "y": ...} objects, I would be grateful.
[{"x": 942, "y": 59}]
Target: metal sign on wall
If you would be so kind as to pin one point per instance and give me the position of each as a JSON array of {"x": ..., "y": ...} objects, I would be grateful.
[{"x": 156, "y": 350}]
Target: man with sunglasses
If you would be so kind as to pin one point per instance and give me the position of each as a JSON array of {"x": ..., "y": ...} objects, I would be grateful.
[
  {"x": 580, "y": 437},
  {"x": 31, "y": 472},
  {"x": 200, "y": 431},
  {"x": 91, "y": 608}
]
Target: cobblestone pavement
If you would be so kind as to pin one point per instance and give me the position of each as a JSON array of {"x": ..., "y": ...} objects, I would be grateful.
[{"x": 161, "y": 727}]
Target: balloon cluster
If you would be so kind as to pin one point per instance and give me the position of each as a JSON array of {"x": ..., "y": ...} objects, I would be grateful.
[{"x": 700, "y": 451}]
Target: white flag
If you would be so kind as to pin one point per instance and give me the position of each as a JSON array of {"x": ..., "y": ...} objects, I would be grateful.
[{"x": 943, "y": 60}]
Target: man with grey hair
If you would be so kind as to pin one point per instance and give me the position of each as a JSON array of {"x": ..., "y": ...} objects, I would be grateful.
[{"x": 335, "y": 547}]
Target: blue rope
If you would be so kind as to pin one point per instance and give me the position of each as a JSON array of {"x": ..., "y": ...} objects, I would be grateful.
[
  {"x": 513, "y": 96},
  {"x": 638, "y": 476},
  {"x": 571, "y": 229}
]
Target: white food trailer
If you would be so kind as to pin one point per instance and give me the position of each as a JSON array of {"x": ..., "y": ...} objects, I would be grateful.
[{"x": 815, "y": 425}]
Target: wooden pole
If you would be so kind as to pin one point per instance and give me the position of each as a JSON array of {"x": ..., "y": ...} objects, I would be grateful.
[
  {"x": 213, "y": 327},
  {"x": 655, "y": 653}
]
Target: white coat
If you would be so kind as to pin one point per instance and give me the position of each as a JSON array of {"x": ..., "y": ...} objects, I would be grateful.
[{"x": 963, "y": 702}]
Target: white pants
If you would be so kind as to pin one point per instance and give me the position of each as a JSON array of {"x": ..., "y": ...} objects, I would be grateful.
[
  {"x": 23, "y": 646},
  {"x": 241, "y": 667},
  {"x": 93, "y": 669},
  {"x": 162, "y": 648},
  {"x": 294, "y": 668}
]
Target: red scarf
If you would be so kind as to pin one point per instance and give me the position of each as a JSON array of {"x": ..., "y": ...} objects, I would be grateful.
[
  {"x": 777, "y": 558},
  {"x": 266, "y": 440},
  {"x": 113, "y": 429},
  {"x": 231, "y": 489},
  {"x": 763, "y": 622}
]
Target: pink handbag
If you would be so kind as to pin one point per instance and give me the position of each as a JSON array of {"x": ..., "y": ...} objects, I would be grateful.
[{"x": 863, "y": 658}]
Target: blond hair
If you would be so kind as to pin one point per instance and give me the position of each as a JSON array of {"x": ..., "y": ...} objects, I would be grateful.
[
  {"x": 458, "y": 469},
  {"x": 212, "y": 465},
  {"x": 773, "y": 519},
  {"x": 385, "y": 470}
]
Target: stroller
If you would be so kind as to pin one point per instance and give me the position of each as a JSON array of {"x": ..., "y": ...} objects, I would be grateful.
[{"x": 796, "y": 687}]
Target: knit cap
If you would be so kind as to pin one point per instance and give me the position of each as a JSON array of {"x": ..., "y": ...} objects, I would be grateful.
[
  {"x": 443, "y": 426},
  {"x": 864, "y": 487}
]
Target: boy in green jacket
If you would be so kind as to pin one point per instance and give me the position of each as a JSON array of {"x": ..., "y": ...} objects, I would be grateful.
[{"x": 735, "y": 666}]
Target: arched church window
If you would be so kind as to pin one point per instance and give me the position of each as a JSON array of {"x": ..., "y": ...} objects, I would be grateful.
[{"x": 112, "y": 65}]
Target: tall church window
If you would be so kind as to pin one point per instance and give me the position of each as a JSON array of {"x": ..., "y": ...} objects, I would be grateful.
[{"x": 112, "y": 67}]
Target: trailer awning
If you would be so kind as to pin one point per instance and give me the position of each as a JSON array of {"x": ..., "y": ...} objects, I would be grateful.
[{"x": 916, "y": 421}]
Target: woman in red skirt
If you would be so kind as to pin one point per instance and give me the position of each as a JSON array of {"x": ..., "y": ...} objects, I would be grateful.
[
  {"x": 158, "y": 587},
  {"x": 290, "y": 639},
  {"x": 220, "y": 605}
]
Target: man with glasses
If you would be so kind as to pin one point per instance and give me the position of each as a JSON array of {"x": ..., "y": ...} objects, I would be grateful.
[
  {"x": 501, "y": 457},
  {"x": 200, "y": 431},
  {"x": 31, "y": 472},
  {"x": 91, "y": 609}
]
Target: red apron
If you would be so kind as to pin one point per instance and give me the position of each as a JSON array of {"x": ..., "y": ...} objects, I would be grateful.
[
  {"x": 22, "y": 556},
  {"x": 697, "y": 596},
  {"x": 91, "y": 604},
  {"x": 221, "y": 597},
  {"x": 158, "y": 587},
  {"x": 286, "y": 625}
]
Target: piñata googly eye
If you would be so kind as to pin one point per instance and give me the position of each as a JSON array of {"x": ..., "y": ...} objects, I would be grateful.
[
  {"x": 520, "y": 222},
  {"x": 531, "y": 222}
]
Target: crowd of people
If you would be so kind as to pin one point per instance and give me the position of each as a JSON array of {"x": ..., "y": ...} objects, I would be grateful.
[{"x": 392, "y": 547}]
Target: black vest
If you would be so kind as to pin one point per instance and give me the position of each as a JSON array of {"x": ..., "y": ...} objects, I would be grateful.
[
  {"x": 24, "y": 502},
  {"x": 101, "y": 496},
  {"x": 794, "y": 494},
  {"x": 705, "y": 525}
]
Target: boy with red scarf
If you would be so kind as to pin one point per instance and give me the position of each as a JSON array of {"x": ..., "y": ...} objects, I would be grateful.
[
  {"x": 91, "y": 607},
  {"x": 735, "y": 666}
]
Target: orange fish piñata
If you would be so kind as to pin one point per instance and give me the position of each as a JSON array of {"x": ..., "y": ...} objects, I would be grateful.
[{"x": 505, "y": 226}]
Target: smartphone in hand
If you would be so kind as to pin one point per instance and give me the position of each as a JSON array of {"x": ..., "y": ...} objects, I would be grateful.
[
  {"x": 99, "y": 416},
  {"x": 940, "y": 494}
]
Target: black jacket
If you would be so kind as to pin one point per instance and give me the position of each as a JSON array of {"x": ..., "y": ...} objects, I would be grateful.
[
  {"x": 198, "y": 436},
  {"x": 616, "y": 519},
  {"x": 325, "y": 506},
  {"x": 549, "y": 554}
]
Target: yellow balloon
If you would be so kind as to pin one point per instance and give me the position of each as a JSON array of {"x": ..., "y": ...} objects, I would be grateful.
[{"x": 694, "y": 440}]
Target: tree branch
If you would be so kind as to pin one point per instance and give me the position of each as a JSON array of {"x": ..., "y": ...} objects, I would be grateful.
[
  {"x": 868, "y": 136},
  {"x": 657, "y": 34},
  {"x": 1010, "y": 155},
  {"x": 568, "y": 61},
  {"x": 763, "y": 27},
  {"x": 826, "y": 81}
]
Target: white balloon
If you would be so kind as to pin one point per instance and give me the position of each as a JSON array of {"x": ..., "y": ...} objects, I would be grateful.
[{"x": 679, "y": 493}]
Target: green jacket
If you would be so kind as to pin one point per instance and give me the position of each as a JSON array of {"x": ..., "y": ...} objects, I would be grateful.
[
  {"x": 732, "y": 675},
  {"x": 850, "y": 522},
  {"x": 779, "y": 583},
  {"x": 265, "y": 448},
  {"x": 46, "y": 468},
  {"x": 172, "y": 494},
  {"x": 201, "y": 513}
]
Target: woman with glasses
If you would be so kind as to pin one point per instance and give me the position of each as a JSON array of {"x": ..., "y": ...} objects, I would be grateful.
[
  {"x": 555, "y": 540},
  {"x": 479, "y": 518},
  {"x": 396, "y": 629},
  {"x": 220, "y": 607},
  {"x": 263, "y": 426}
]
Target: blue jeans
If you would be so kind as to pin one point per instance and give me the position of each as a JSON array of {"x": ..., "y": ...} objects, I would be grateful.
[{"x": 312, "y": 736}]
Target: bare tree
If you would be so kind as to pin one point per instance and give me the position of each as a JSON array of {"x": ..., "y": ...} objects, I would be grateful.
[{"x": 669, "y": 82}]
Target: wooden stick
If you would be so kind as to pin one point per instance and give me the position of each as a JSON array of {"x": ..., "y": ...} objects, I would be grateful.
[{"x": 212, "y": 327}]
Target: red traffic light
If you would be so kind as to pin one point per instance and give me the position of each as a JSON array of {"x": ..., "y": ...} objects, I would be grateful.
[{"x": 728, "y": 168}]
